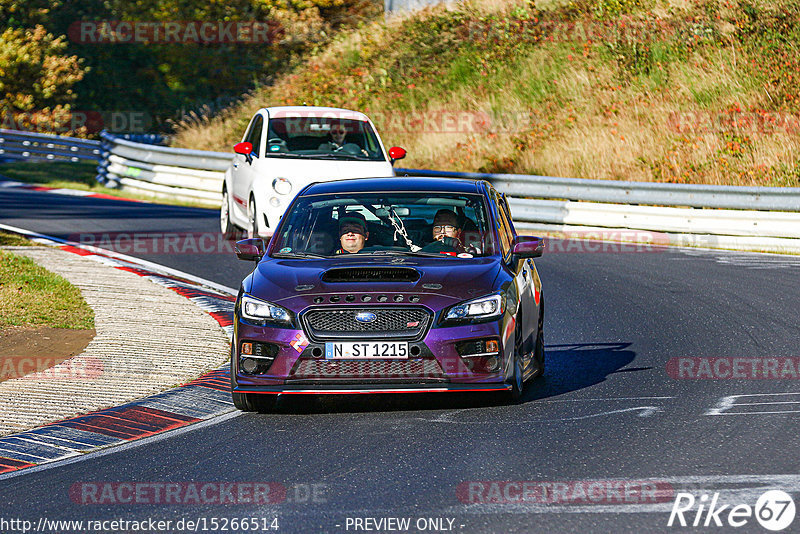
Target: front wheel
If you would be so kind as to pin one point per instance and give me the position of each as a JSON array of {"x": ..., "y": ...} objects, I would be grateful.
[
  {"x": 229, "y": 231},
  {"x": 253, "y": 216},
  {"x": 538, "y": 353},
  {"x": 516, "y": 380},
  {"x": 253, "y": 402}
]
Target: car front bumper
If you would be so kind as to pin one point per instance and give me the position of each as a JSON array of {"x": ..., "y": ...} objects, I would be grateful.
[{"x": 436, "y": 367}]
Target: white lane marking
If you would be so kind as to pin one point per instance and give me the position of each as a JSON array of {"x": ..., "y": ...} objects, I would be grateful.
[
  {"x": 71, "y": 192},
  {"x": 604, "y": 399},
  {"x": 646, "y": 411},
  {"x": 155, "y": 267},
  {"x": 726, "y": 404},
  {"x": 760, "y": 403},
  {"x": 113, "y": 449},
  {"x": 748, "y": 260}
]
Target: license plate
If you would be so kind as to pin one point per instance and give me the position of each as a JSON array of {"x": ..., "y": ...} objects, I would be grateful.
[{"x": 366, "y": 351}]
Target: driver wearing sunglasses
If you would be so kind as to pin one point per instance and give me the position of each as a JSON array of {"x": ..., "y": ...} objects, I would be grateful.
[{"x": 337, "y": 137}]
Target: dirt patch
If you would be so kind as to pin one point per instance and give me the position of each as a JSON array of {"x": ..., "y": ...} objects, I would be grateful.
[{"x": 31, "y": 349}]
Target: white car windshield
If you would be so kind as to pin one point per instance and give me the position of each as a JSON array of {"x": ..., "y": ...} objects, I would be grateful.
[
  {"x": 438, "y": 224},
  {"x": 322, "y": 138}
]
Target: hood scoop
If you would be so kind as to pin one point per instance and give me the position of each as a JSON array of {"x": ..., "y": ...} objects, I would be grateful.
[{"x": 371, "y": 274}]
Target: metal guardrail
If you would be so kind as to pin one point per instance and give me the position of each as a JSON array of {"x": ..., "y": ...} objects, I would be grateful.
[
  {"x": 191, "y": 175},
  {"x": 659, "y": 194},
  {"x": 760, "y": 218},
  {"x": 30, "y": 146}
]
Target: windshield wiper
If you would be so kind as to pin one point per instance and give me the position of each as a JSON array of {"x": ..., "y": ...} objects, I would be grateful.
[
  {"x": 298, "y": 255},
  {"x": 405, "y": 253}
]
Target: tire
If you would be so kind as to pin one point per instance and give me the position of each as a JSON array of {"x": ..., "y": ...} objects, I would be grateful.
[
  {"x": 538, "y": 353},
  {"x": 252, "y": 214},
  {"x": 516, "y": 379},
  {"x": 229, "y": 231},
  {"x": 242, "y": 402}
]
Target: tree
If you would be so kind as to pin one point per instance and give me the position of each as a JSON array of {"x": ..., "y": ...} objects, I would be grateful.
[{"x": 36, "y": 79}]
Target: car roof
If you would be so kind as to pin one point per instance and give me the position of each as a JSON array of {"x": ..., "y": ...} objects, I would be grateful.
[
  {"x": 315, "y": 111},
  {"x": 396, "y": 183}
]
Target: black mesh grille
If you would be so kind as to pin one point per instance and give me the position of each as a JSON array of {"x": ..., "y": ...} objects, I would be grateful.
[
  {"x": 399, "y": 322},
  {"x": 356, "y": 369},
  {"x": 371, "y": 274}
]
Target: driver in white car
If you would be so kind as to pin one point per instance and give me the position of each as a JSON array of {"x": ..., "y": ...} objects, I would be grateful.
[{"x": 337, "y": 133}]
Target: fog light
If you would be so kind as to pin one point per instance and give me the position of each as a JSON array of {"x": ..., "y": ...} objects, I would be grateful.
[
  {"x": 480, "y": 355},
  {"x": 247, "y": 348},
  {"x": 478, "y": 347},
  {"x": 275, "y": 201},
  {"x": 249, "y": 365}
]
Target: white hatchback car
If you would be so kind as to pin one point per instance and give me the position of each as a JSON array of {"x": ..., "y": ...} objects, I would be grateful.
[{"x": 286, "y": 148}]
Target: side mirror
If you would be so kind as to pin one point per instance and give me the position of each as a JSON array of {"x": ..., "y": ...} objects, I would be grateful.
[
  {"x": 250, "y": 249},
  {"x": 245, "y": 148},
  {"x": 526, "y": 246},
  {"x": 396, "y": 153}
]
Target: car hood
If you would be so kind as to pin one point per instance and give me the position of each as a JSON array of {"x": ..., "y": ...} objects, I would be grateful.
[
  {"x": 304, "y": 171},
  {"x": 295, "y": 283}
]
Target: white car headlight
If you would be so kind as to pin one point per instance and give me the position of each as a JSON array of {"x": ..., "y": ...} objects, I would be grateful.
[
  {"x": 282, "y": 186},
  {"x": 480, "y": 308},
  {"x": 261, "y": 310}
]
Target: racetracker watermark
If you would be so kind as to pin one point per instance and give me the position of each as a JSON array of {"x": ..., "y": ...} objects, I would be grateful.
[
  {"x": 626, "y": 30},
  {"x": 732, "y": 367},
  {"x": 196, "y": 493},
  {"x": 176, "y": 32},
  {"x": 607, "y": 242},
  {"x": 444, "y": 121},
  {"x": 129, "y": 121},
  {"x": 735, "y": 120},
  {"x": 105, "y": 493},
  {"x": 157, "y": 243},
  {"x": 43, "y": 368},
  {"x": 565, "y": 492}
]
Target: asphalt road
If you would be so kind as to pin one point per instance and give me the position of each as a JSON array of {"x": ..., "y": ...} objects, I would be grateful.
[{"x": 606, "y": 414}]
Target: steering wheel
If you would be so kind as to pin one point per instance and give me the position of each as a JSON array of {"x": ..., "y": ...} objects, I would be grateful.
[{"x": 352, "y": 148}]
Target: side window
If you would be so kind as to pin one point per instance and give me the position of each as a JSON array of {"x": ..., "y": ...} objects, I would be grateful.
[
  {"x": 254, "y": 136},
  {"x": 507, "y": 215},
  {"x": 503, "y": 227}
]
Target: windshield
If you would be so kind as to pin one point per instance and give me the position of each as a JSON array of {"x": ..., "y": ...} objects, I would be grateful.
[
  {"x": 425, "y": 224},
  {"x": 322, "y": 138}
]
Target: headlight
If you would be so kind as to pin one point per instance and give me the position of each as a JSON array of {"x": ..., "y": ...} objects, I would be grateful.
[
  {"x": 261, "y": 310},
  {"x": 282, "y": 186},
  {"x": 480, "y": 308}
]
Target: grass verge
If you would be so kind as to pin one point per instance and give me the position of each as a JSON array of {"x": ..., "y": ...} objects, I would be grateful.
[
  {"x": 30, "y": 295},
  {"x": 14, "y": 240}
]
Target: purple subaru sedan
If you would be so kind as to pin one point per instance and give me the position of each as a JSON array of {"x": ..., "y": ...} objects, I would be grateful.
[{"x": 389, "y": 285}]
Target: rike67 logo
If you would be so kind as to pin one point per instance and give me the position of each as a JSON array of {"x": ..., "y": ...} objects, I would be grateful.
[{"x": 774, "y": 510}]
